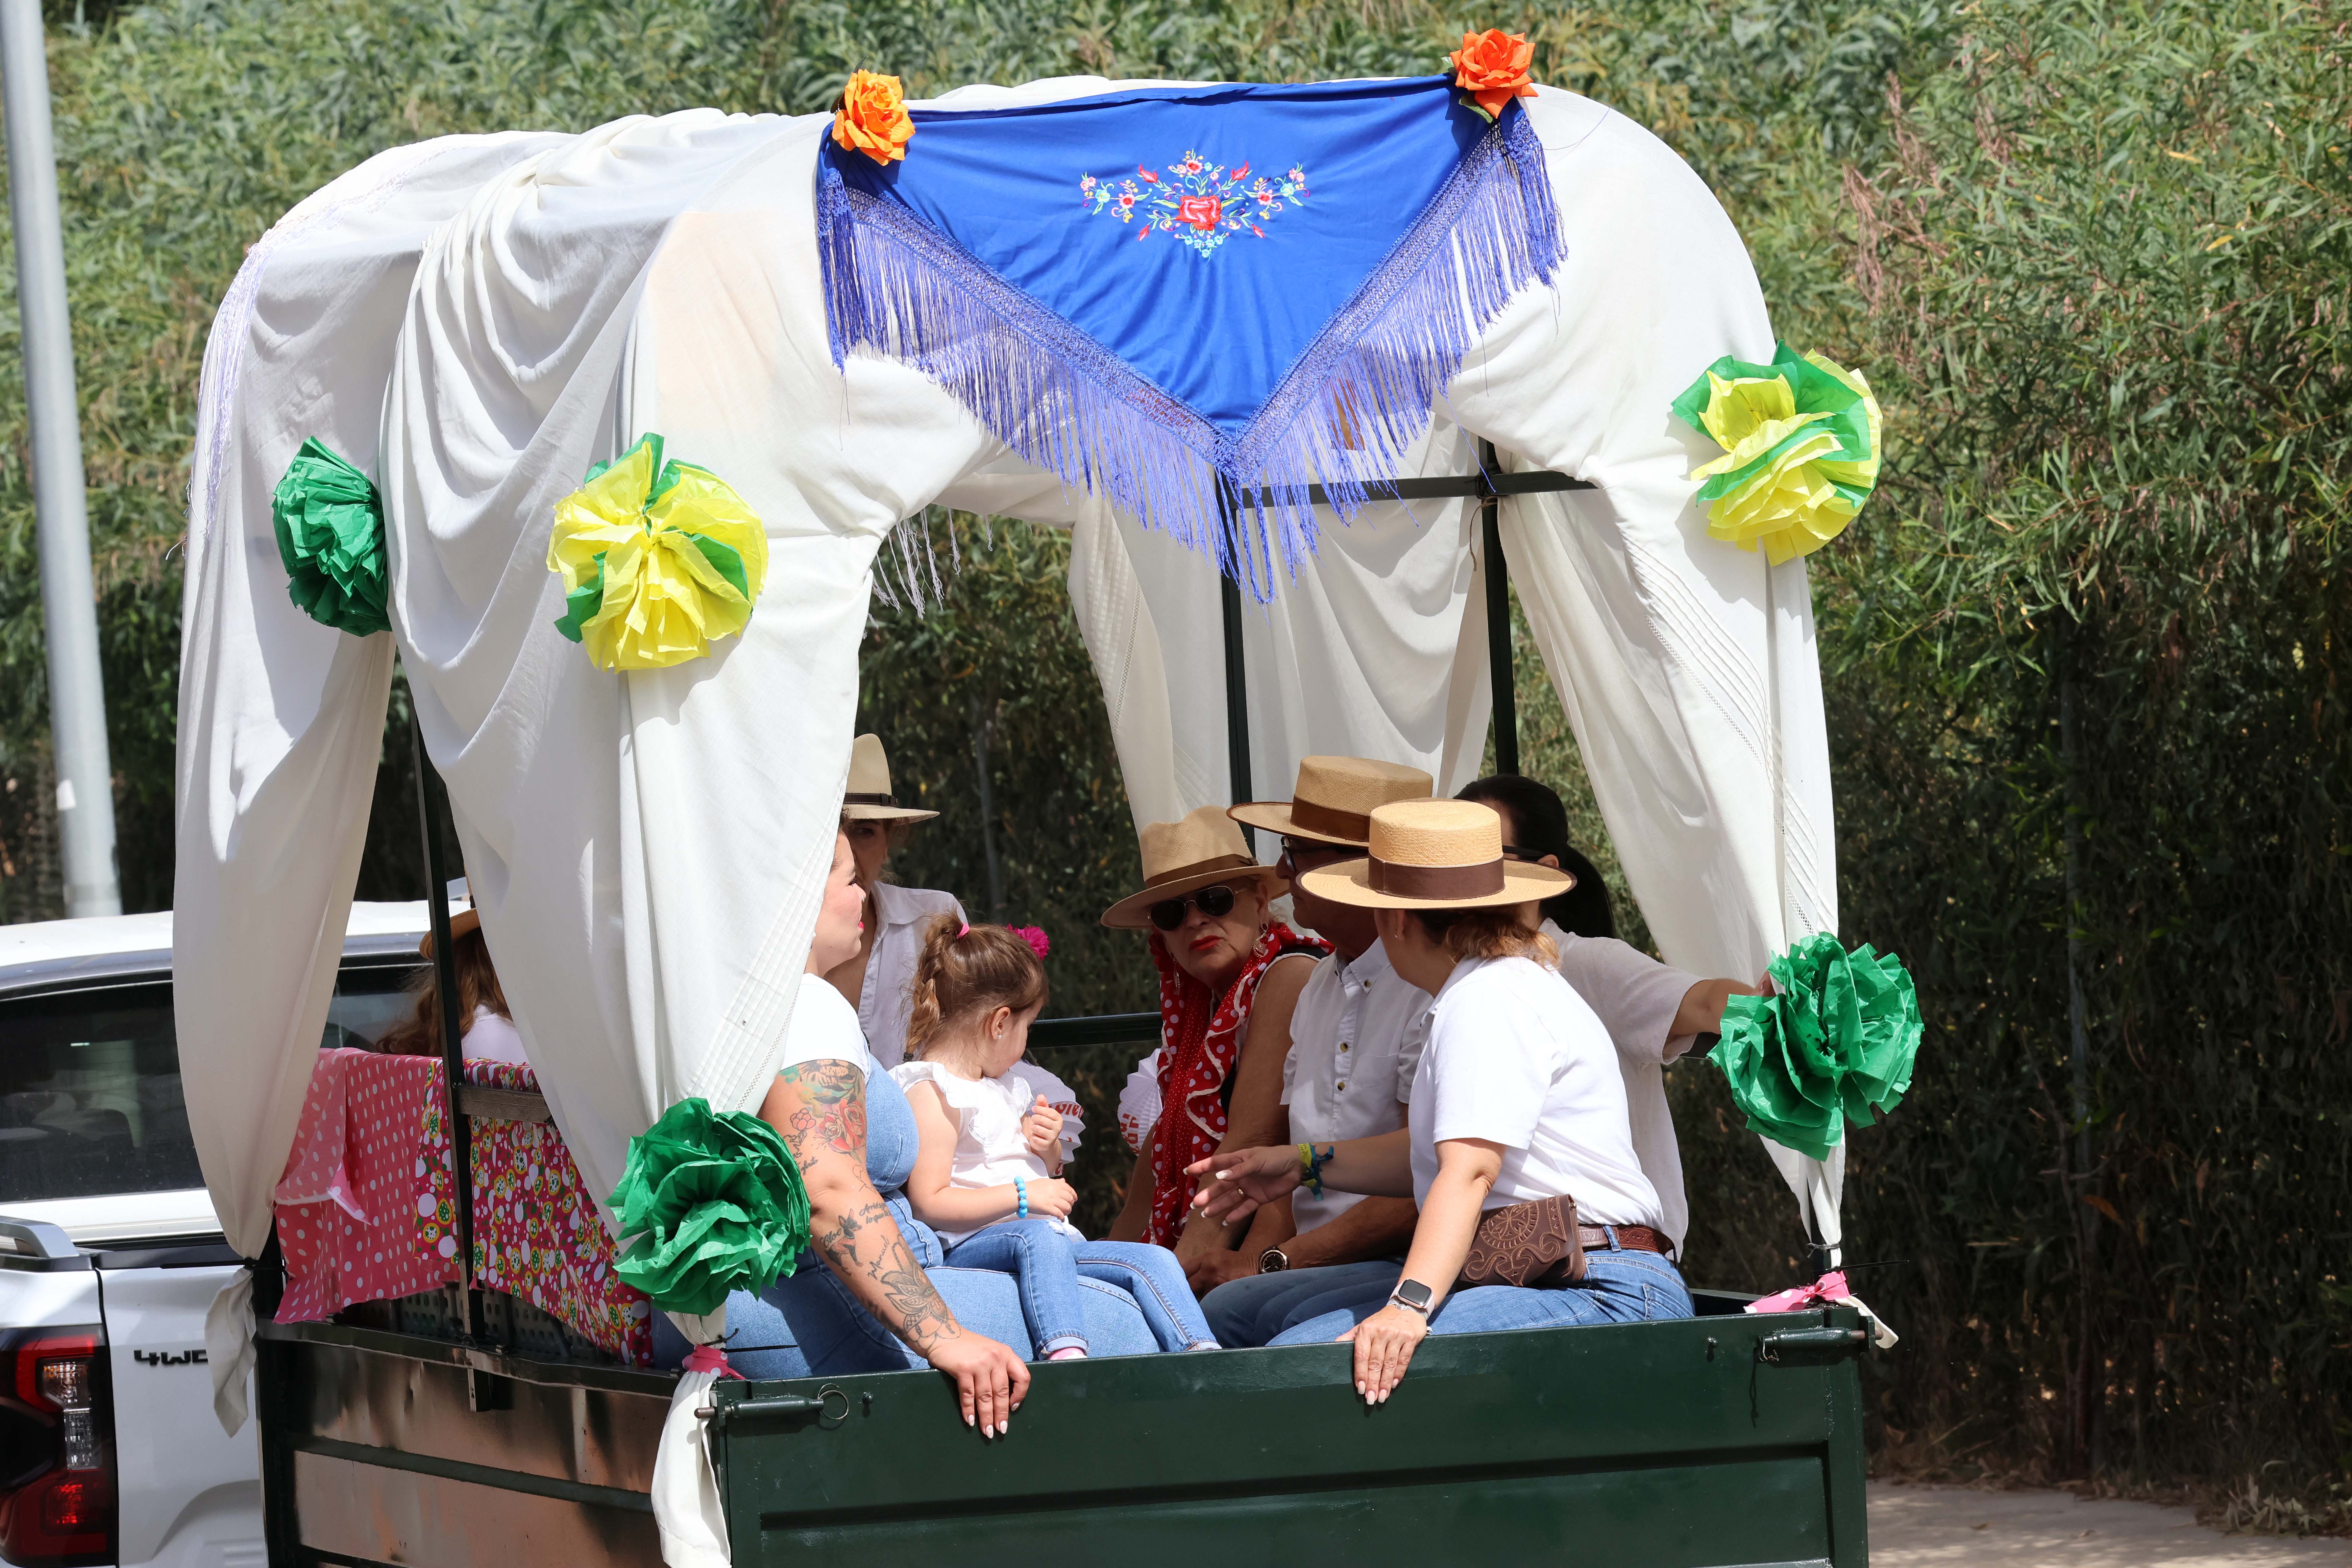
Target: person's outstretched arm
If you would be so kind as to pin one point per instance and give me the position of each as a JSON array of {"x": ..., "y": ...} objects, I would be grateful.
[
  {"x": 1235, "y": 1183},
  {"x": 819, "y": 1107}
]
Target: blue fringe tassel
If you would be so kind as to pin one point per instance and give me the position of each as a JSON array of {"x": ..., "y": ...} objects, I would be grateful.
[{"x": 1359, "y": 395}]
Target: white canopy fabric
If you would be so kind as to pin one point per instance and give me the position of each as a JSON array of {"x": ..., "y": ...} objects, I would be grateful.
[{"x": 476, "y": 320}]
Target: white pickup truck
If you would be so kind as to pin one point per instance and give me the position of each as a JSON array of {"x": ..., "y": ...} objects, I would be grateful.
[{"x": 110, "y": 1252}]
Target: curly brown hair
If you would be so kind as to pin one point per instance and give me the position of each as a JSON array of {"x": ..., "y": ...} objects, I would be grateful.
[{"x": 419, "y": 1035}]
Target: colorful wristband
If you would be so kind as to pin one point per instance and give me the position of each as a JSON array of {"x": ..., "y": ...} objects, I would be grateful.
[
  {"x": 1021, "y": 1196},
  {"x": 1310, "y": 1168}
]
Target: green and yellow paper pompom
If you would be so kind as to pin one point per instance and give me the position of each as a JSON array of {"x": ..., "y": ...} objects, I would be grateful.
[
  {"x": 1800, "y": 440},
  {"x": 709, "y": 1205},
  {"x": 658, "y": 559},
  {"x": 1834, "y": 1043},
  {"x": 330, "y": 525}
]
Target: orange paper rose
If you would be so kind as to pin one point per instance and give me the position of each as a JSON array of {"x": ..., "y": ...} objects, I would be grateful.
[
  {"x": 872, "y": 119},
  {"x": 1491, "y": 69}
]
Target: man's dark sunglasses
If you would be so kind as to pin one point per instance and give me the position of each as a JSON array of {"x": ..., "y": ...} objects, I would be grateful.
[{"x": 1216, "y": 901}]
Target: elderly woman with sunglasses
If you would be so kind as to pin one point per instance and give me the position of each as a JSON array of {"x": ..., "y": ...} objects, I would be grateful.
[{"x": 1230, "y": 976}]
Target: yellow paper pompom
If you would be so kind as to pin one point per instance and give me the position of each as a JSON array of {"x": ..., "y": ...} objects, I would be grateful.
[
  {"x": 1800, "y": 440},
  {"x": 657, "y": 558}
]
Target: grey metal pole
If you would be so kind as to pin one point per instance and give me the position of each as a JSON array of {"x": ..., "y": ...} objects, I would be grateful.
[{"x": 85, "y": 799}]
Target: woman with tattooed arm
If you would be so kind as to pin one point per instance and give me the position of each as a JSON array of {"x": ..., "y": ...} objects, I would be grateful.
[{"x": 872, "y": 1294}]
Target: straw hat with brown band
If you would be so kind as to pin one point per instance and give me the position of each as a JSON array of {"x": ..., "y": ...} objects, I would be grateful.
[
  {"x": 1435, "y": 855},
  {"x": 463, "y": 916},
  {"x": 1334, "y": 799},
  {"x": 869, "y": 798},
  {"x": 1179, "y": 858}
]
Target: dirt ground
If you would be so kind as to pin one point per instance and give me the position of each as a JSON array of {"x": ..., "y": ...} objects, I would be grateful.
[{"x": 1956, "y": 1527}]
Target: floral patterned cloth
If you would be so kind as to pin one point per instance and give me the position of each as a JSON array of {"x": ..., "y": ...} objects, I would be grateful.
[{"x": 367, "y": 1211}]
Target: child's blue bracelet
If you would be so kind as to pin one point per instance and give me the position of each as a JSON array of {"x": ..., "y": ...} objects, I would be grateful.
[{"x": 1020, "y": 1194}]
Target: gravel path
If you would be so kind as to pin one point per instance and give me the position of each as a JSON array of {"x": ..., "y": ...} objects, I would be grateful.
[{"x": 1956, "y": 1527}]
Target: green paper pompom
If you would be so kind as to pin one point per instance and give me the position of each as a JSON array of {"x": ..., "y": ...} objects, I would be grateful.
[
  {"x": 1834, "y": 1044},
  {"x": 715, "y": 1204},
  {"x": 330, "y": 524}
]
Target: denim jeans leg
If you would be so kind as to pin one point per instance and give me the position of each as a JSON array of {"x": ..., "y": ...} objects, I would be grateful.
[
  {"x": 1252, "y": 1310},
  {"x": 1153, "y": 1277},
  {"x": 1040, "y": 1259}
]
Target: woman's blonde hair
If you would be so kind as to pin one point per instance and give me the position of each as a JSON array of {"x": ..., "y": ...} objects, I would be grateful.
[
  {"x": 477, "y": 987},
  {"x": 1493, "y": 932},
  {"x": 969, "y": 969}
]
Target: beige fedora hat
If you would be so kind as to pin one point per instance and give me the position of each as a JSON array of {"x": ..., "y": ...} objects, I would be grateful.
[
  {"x": 1334, "y": 799},
  {"x": 1435, "y": 855},
  {"x": 869, "y": 798},
  {"x": 1203, "y": 849}
]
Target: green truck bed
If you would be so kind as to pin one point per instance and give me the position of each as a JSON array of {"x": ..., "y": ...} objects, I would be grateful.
[{"x": 1724, "y": 1439}]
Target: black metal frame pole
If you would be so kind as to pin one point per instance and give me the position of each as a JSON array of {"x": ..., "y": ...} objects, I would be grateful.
[
  {"x": 1502, "y": 677},
  {"x": 1229, "y": 599},
  {"x": 445, "y": 980}
]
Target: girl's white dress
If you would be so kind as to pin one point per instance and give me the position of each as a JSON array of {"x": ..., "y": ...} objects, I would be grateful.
[{"x": 989, "y": 1151}]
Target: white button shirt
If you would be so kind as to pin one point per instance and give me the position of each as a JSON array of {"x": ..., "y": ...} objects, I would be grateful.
[
  {"x": 885, "y": 1000},
  {"x": 1356, "y": 1039}
]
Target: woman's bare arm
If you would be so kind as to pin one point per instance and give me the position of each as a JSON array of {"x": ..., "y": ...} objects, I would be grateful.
[
  {"x": 1257, "y": 1116},
  {"x": 1135, "y": 1213}
]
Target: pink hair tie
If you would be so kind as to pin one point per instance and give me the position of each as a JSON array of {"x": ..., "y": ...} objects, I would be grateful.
[
  {"x": 1039, "y": 943},
  {"x": 962, "y": 930}
]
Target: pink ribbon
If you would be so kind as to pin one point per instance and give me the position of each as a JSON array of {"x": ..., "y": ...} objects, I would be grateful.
[
  {"x": 711, "y": 1358},
  {"x": 1827, "y": 1289}
]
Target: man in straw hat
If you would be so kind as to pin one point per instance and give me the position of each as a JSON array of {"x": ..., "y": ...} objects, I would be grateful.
[
  {"x": 879, "y": 980},
  {"x": 1229, "y": 977},
  {"x": 1517, "y": 1130},
  {"x": 1355, "y": 1040}
]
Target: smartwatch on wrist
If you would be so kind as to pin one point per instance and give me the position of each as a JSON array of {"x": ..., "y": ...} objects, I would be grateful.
[
  {"x": 1411, "y": 1295},
  {"x": 1272, "y": 1260}
]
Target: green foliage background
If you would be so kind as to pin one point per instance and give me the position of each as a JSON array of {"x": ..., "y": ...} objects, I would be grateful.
[{"x": 2082, "y": 653}]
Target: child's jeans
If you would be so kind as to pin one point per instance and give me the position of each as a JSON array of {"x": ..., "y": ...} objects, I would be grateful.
[{"x": 1048, "y": 1264}]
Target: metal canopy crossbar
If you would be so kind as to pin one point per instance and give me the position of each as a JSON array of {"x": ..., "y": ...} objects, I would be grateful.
[{"x": 1487, "y": 486}]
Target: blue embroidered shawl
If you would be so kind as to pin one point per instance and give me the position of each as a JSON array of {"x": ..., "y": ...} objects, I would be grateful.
[{"x": 1194, "y": 301}]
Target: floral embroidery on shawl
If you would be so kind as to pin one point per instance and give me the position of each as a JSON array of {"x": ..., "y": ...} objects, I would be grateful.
[{"x": 1200, "y": 203}]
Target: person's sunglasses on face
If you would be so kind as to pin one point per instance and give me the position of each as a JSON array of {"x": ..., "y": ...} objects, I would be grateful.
[
  {"x": 1308, "y": 854},
  {"x": 1216, "y": 901}
]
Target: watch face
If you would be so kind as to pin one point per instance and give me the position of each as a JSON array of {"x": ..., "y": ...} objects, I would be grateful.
[
  {"x": 1271, "y": 1261},
  {"x": 1413, "y": 1293}
]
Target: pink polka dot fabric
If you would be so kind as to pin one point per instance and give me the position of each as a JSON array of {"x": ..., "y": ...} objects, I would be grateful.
[
  {"x": 347, "y": 1206},
  {"x": 366, "y": 1209}
]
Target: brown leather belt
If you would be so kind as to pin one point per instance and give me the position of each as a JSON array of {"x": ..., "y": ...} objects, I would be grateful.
[{"x": 1631, "y": 1238}]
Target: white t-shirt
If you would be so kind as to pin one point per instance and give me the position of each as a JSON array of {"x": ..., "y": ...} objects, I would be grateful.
[
  {"x": 824, "y": 1028},
  {"x": 990, "y": 1150},
  {"x": 1516, "y": 1058},
  {"x": 490, "y": 1038},
  {"x": 886, "y": 998},
  {"x": 1355, "y": 1043},
  {"x": 1636, "y": 998}
]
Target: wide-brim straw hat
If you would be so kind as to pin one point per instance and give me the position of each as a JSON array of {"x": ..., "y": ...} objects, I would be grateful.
[
  {"x": 869, "y": 798},
  {"x": 1335, "y": 798},
  {"x": 1203, "y": 849},
  {"x": 463, "y": 916},
  {"x": 1435, "y": 855}
]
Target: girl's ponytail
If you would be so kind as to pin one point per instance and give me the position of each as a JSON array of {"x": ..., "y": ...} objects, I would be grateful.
[{"x": 964, "y": 969}]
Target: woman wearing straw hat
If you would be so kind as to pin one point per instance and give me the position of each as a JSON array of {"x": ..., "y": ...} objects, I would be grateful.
[
  {"x": 1230, "y": 976},
  {"x": 879, "y": 980},
  {"x": 489, "y": 1033},
  {"x": 1534, "y": 1209}
]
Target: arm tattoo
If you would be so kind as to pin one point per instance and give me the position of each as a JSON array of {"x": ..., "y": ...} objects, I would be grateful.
[
  {"x": 860, "y": 1241},
  {"x": 832, "y": 1115}
]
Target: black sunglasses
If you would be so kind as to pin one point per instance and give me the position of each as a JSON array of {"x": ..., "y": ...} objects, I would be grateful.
[{"x": 1216, "y": 901}]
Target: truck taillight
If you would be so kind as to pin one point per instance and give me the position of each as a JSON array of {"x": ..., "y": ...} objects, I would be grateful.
[{"x": 56, "y": 1495}]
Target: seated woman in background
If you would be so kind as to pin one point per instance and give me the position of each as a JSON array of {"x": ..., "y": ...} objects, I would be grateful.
[
  {"x": 877, "y": 978},
  {"x": 1654, "y": 1013},
  {"x": 490, "y": 1032},
  {"x": 1230, "y": 976},
  {"x": 1517, "y": 1118},
  {"x": 987, "y": 1177}
]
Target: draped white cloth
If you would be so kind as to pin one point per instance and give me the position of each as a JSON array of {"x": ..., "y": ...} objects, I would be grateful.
[{"x": 475, "y": 321}]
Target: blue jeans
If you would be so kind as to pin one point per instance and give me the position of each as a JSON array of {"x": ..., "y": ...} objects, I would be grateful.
[
  {"x": 1251, "y": 1311},
  {"x": 1049, "y": 1266},
  {"x": 1619, "y": 1286}
]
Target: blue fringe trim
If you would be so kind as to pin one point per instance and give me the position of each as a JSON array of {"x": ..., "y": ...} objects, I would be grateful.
[{"x": 1359, "y": 396}]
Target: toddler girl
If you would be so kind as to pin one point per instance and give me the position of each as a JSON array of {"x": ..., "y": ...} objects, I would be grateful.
[{"x": 987, "y": 1175}]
